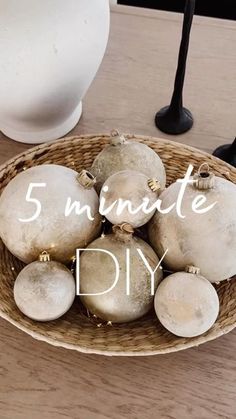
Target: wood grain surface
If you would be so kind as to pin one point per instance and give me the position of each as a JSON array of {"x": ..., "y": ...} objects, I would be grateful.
[{"x": 136, "y": 78}]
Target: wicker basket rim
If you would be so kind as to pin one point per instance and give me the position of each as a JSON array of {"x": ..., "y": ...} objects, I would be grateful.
[
  {"x": 81, "y": 349},
  {"x": 93, "y": 137}
]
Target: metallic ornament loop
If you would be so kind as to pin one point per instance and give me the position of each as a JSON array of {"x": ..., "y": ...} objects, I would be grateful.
[
  {"x": 204, "y": 178},
  {"x": 44, "y": 257},
  {"x": 117, "y": 138},
  {"x": 154, "y": 185},
  {"x": 192, "y": 270},
  {"x": 86, "y": 179}
]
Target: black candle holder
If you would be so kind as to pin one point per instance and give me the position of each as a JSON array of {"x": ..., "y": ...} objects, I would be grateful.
[
  {"x": 227, "y": 152},
  {"x": 175, "y": 119}
]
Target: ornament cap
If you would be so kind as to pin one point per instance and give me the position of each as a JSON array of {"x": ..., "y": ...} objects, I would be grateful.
[
  {"x": 123, "y": 232},
  {"x": 154, "y": 185},
  {"x": 44, "y": 257},
  {"x": 204, "y": 178},
  {"x": 117, "y": 138},
  {"x": 190, "y": 269},
  {"x": 86, "y": 179}
]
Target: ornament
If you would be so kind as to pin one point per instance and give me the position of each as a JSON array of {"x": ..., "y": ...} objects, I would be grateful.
[
  {"x": 44, "y": 290},
  {"x": 134, "y": 187},
  {"x": 33, "y": 213},
  {"x": 206, "y": 240},
  {"x": 186, "y": 303},
  {"x": 121, "y": 155},
  {"x": 128, "y": 261}
]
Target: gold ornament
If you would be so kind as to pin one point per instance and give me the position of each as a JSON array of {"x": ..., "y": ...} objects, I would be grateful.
[
  {"x": 127, "y": 190},
  {"x": 206, "y": 240},
  {"x": 44, "y": 290},
  {"x": 30, "y": 224},
  {"x": 186, "y": 303},
  {"x": 123, "y": 154},
  {"x": 97, "y": 273}
]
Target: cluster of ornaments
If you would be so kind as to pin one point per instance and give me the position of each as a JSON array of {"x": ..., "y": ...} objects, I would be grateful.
[{"x": 201, "y": 247}]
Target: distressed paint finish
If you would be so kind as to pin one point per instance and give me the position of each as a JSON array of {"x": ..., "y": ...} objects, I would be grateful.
[
  {"x": 97, "y": 274},
  {"x": 51, "y": 231},
  {"x": 204, "y": 240},
  {"x": 44, "y": 291},
  {"x": 186, "y": 304},
  {"x": 128, "y": 155}
]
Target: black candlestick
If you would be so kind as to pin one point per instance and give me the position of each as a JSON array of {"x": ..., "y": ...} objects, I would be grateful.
[
  {"x": 175, "y": 119},
  {"x": 227, "y": 153}
]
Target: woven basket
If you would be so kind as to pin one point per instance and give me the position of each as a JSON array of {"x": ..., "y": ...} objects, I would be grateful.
[{"x": 75, "y": 331}]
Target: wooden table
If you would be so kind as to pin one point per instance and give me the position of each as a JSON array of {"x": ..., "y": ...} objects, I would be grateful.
[{"x": 41, "y": 382}]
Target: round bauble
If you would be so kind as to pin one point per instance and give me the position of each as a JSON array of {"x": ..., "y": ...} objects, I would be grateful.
[
  {"x": 206, "y": 240},
  {"x": 44, "y": 290},
  {"x": 52, "y": 230},
  {"x": 186, "y": 303},
  {"x": 98, "y": 272},
  {"x": 133, "y": 187},
  {"x": 123, "y": 154}
]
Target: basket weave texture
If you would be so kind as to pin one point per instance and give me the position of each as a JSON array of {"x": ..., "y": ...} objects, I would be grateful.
[{"x": 75, "y": 331}]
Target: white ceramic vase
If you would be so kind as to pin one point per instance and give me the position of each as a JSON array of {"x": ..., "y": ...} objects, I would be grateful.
[{"x": 50, "y": 52}]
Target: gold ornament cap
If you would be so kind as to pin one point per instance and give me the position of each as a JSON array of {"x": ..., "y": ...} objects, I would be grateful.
[
  {"x": 123, "y": 232},
  {"x": 190, "y": 269},
  {"x": 117, "y": 138},
  {"x": 154, "y": 185},
  {"x": 204, "y": 178},
  {"x": 86, "y": 179},
  {"x": 44, "y": 257}
]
